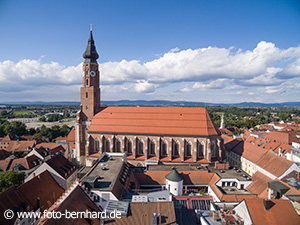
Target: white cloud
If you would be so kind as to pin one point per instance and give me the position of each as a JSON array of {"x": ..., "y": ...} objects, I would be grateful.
[
  {"x": 185, "y": 89},
  {"x": 144, "y": 86},
  {"x": 264, "y": 68},
  {"x": 175, "y": 49},
  {"x": 215, "y": 84},
  {"x": 272, "y": 89}
]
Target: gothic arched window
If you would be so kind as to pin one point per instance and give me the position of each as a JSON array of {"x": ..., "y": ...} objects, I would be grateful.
[
  {"x": 188, "y": 149},
  {"x": 106, "y": 145},
  {"x": 164, "y": 148},
  {"x": 117, "y": 145},
  {"x": 140, "y": 147},
  {"x": 129, "y": 147},
  {"x": 176, "y": 149},
  {"x": 152, "y": 147},
  {"x": 200, "y": 148},
  {"x": 97, "y": 145}
]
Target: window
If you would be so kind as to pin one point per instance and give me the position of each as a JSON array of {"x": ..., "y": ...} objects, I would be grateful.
[
  {"x": 129, "y": 147},
  {"x": 176, "y": 149},
  {"x": 97, "y": 145},
  {"x": 118, "y": 145},
  {"x": 213, "y": 149},
  {"x": 164, "y": 148},
  {"x": 200, "y": 150},
  {"x": 141, "y": 148},
  {"x": 106, "y": 145},
  {"x": 188, "y": 149},
  {"x": 87, "y": 82},
  {"x": 86, "y": 94},
  {"x": 87, "y": 108},
  {"x": 152, "y": 147}
]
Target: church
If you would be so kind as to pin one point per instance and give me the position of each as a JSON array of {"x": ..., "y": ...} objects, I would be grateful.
[{"x": 145, "y": 134}]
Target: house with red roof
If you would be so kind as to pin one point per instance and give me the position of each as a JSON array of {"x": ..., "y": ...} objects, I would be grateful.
[{"x": 267, "y": 211}]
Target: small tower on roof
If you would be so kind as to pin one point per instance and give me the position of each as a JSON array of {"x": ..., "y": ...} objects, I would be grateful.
[{"x": 174, "y": 182}]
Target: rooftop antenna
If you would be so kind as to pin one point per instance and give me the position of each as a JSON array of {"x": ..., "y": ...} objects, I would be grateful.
[{"x": 91, "y": 27}]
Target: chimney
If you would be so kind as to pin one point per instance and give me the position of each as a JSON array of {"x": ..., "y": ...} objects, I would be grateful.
[
  {"x": 154, "y": 219},
  {"x": 279, "y": 151},
  {"x": 267, "y": 204}
]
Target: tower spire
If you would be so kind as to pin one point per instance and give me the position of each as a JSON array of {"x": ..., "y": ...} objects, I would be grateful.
[
  {"x": 222, "y": 124},
  {"x": 90, "y": 53}
]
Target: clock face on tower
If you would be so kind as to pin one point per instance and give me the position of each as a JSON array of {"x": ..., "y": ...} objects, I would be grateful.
[{"x": 93, "y": 73}]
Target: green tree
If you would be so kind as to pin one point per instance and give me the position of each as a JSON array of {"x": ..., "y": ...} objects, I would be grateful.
[
  {"x": 32, "y": 131},
  {"x": 14, "y": 127},
  {"x": 9, "y": 178},
  {"x": 42, "y": 119}
]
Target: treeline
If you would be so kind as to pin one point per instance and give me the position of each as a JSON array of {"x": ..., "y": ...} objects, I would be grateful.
[
  {"x": 234, "y": 116},
  {"x": 11, "y": 114},
  {"x": 52, "y": 133},
  {"x": 19, "y": 128}
]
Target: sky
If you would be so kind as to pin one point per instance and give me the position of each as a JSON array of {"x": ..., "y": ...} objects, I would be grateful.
[{"x": 224, "y": 51}]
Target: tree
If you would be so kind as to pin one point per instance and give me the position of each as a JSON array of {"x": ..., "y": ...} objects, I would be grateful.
[
  {"x": 9, "y": 178},
  {"x": 42, "y": 119},
  {"x": 14, "y": 127},
  {"x": 32, "y": 131}
]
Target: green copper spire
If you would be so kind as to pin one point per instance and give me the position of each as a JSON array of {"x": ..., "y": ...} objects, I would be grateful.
[{"x": 90, "y": 53}]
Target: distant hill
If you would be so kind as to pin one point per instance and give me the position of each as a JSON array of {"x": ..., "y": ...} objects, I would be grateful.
[{"x": 163, "y": 103}]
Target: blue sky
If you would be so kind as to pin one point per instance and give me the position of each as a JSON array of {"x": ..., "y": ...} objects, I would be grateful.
[{"x": 211, "y": 51}]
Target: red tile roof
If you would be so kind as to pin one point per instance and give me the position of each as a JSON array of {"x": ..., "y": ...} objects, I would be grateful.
[
  {"x": 43, "y": 187},
  {"x": 47, "y": 145},
  {"x": 142, "y": 213},
  {"x": 77, "y": 201},
  {"x": 280, "y": 212},
  {"x": 71, "y": 138},
  {"x": 252, "y": 152},
  {"x": 3, "y": 154},
  {"x": 20, "y": 146},
  {"x": 259, "y": 184},
  {"x": 274, "y": 164},
  {"x": 189, "y": 177},
  {"x": 14, "y": 200},
  {"x": 280, "y": 136},
  {"x": 26, "y": 163},
  {"x": 185, "y": 121},
  {"x": 61, "y": 165}
]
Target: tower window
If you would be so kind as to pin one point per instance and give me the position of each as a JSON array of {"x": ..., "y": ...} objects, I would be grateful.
[
  {"x": 86, "y": 95},
  {"x": 87, "y": 107},
  {"x": 87, "y": 82}
]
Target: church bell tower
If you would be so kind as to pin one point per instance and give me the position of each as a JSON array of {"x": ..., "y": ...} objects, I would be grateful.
[
  {"x": 89, "y": 101},
  {"x": 90, "y": 90}
]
